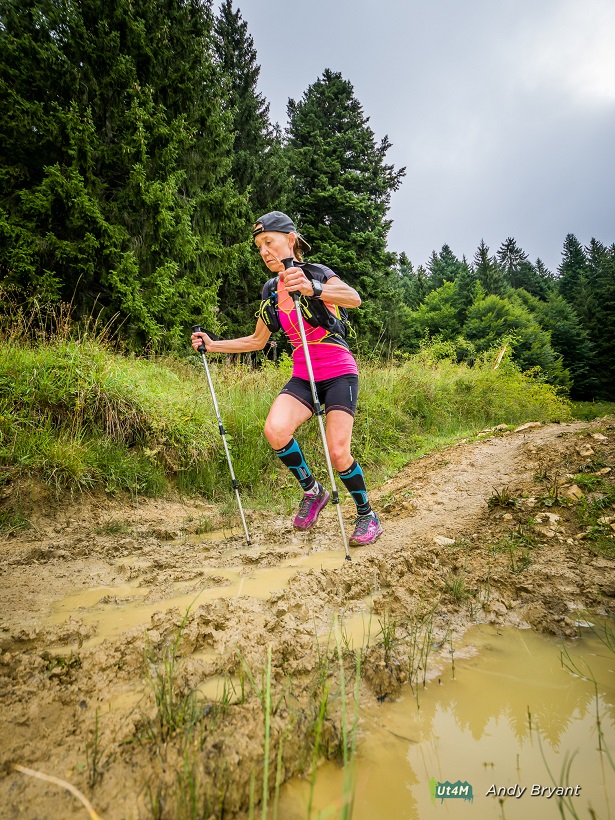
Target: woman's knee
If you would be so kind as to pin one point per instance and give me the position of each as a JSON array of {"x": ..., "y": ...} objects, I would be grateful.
[
  {"x": 341, "y": 459},
  {"x": 277, "y": 432}
]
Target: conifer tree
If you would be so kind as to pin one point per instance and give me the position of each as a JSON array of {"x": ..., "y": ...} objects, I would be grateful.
[
  {"x": 258, "y": 169},
  {"x": 518, "y": 271},
  {"x": 587, "y": 282},
  {"x": 568, "y": 337},
  {"x": 411, "y": 284},
  {"x": 546, "y": 280},
  {"x": 573, "y": 270},
  {"x": 443, "y": 267},
  {"x": 114, "y": 184},
  {"x": 596, "y": 255},
  {"x": 421, "y": 288},
  {"x": 487, "y": 271},
  {"x": 341, "y": 190},
  {"x": 465, "y": 289},
  {"x": 599, "y": 318},
  {"x": 258, "y": 166},
  {"x": 571, "y": 340}
]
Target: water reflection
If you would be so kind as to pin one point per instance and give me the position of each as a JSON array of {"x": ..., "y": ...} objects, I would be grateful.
[
  {"x": 520, "y": 681},
  {"x": 511, "y": 714}
]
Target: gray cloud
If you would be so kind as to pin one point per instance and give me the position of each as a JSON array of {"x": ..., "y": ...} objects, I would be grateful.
[{"x": 502, "y": 111}]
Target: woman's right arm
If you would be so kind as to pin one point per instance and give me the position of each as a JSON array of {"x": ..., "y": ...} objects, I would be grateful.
[{"x": 256, "y": 341}]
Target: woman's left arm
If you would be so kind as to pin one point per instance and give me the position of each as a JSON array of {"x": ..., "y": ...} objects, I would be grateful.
[
  {"x": 339, "y": 293},
  {"x": 333, "y": 290}
]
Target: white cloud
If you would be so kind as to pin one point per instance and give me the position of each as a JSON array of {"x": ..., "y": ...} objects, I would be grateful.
[{"x": 572, "y": 50}]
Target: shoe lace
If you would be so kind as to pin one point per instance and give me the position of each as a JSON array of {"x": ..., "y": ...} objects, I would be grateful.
[
  {"x": 362, "y": 524},
  {"x": 305, "y": 505}
]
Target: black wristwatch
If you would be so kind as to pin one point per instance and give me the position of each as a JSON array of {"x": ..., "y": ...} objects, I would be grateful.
[{"x": 317, "y": 289}]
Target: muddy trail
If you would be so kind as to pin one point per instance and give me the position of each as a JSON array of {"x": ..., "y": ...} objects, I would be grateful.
[{"x": 134, "y": 645}]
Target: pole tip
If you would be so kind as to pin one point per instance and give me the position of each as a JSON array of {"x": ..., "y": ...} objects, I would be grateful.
[{"x": 348, "y": 558}]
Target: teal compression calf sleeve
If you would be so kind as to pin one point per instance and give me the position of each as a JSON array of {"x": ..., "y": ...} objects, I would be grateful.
[
  {"x": 354, "y": 481},
  {"x": 292, "y": 456}
]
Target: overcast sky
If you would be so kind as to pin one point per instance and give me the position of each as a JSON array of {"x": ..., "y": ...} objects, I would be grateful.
[{"x": 502, "y": 111}]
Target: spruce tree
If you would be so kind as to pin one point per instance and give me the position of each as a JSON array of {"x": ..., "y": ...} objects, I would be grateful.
[
  {"x": 443, "y": 267},
  {"x": 115, "y": 183},
  {"x": 571, "y": 340},
  {"x": 599, "y": 318},
  {"x": 587, "y": 282},
  {"x": 518, "y": 271},
  {"x": 341, "y": 190},
  {"x": 488, "y": 271},
  {"x": 258, "y": 169},
  {"x": 411, "y": 286},
  {"x": 466, "y": 281},
  {"x": 596, "y": 255},
  {"x": 546, "y": 280},
  {"x": 421, "y": 287},
  {"x": 258, "y": 166},
  {"x": 573, "y": 270}
]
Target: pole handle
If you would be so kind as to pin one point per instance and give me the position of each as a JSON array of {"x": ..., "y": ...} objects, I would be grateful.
[
  {"x": 211, "y": 334},
  {"x": 197, "y": 329},
  {"x": 289, "y": 262}
]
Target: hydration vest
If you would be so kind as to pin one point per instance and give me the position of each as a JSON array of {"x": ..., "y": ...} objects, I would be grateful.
[{"x": 314, "y": 311}]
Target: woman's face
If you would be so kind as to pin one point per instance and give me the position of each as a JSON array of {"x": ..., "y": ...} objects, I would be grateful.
[{"x": 273, "y": 247}]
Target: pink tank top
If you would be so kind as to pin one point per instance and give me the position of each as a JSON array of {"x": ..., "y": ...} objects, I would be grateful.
[{"x": 328, "y": 359}]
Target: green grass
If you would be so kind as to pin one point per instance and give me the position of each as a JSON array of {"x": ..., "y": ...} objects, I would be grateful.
[
  {"x": 76, "y": 415},
  {"x": 594, "y": 515},
  {"x": 589, "y": 410},
  {"x": 12, "y": 522}
]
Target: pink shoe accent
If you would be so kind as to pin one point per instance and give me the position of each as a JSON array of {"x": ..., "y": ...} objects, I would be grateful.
[
  {"x": 367, "y": 529},
  {"x": 309, "y": 510}
]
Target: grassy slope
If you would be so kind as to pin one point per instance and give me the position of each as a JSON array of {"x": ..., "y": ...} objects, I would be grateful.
[{"x": 77, "y": 415}]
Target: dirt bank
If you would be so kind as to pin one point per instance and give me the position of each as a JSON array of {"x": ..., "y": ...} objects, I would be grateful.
[{"x": 113, "y": 614}]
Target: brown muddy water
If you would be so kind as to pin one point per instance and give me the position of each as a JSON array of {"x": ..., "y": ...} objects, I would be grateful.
[
  {"x": 501, "y": 713},
  {"x": 112, "y": 610},
  {"x": 509, "y": 720}
]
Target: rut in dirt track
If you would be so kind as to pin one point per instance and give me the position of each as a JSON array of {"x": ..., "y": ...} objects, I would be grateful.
[{"x": 449, "y": 490}]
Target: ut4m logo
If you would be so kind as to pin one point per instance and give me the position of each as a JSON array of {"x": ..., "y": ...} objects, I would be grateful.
[{"x": 446, "y": 790}]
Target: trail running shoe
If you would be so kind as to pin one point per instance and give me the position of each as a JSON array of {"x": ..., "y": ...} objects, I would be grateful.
[
  {"x": 309, "y": 509},
  {"x": 367, "y": 528}
]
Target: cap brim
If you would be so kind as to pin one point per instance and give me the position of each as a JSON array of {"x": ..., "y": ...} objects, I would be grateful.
[{"x": 303, "y": 243}]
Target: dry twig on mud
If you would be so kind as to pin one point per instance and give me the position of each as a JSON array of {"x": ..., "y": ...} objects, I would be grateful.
[{"x": 58, "y": 782}]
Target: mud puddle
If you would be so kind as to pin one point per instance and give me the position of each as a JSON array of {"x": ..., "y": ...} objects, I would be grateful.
[
  {"x": 512, "y": 717},
  {"x": 111, "y": 610}
]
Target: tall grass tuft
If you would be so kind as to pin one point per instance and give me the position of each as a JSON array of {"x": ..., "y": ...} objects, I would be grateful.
[
  {"x": 349, "y": 730},
  {"x": 176, "y": 711}
]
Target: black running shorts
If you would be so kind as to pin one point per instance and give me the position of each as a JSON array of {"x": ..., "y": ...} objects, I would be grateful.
[{"x": 339, "y": 393}]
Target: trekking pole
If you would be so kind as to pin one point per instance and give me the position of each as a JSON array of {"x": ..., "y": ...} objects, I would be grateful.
[
  {"x": 318, "y": 411},
  {"x": 202, "y": 350}
]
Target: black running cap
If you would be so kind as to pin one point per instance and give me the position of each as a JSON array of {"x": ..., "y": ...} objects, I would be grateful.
[{"x": 277, "y": 221}]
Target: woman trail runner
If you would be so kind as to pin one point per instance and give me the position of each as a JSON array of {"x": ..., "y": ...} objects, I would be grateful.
[{"x": 334, "y": 367}]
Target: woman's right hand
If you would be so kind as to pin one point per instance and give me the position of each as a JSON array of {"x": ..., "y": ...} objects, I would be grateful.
[{"x": 199, "y": 339}]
